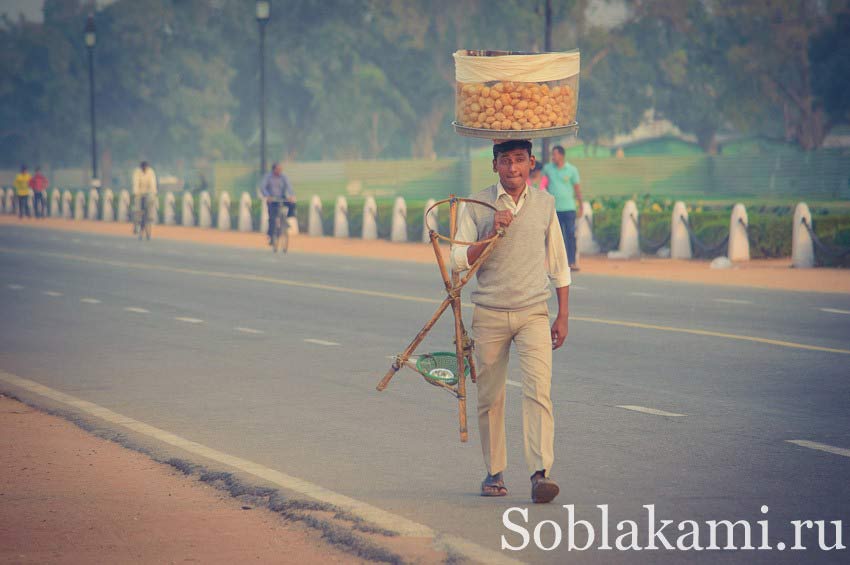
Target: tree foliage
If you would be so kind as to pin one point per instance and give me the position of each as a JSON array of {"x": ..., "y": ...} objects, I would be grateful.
[{"x": 178, "y": 79}]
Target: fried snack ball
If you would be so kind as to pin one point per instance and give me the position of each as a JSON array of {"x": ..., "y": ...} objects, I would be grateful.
[{"x": 515, "y": 105}]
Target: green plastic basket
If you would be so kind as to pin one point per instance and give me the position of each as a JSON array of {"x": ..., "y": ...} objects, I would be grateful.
[{"x": 440, "y": 367}]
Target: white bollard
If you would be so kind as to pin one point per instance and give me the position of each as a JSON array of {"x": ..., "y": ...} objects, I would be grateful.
[
  {"x": 341, "y": 217},
  {"x": 429, "y": 221},
  {"x": 398, "y": 232},
  {"x": 739, "y": 243},
  {"x": 314, "y": 219},
  {"x": 107, "y": 213},
  {"x": 264, "y": 216},
  {"x": 680, "y": 239},
  {"x": 67, "y": 201},
  {"x": 154, "y": 210},
  {"x": 584, "y": 232},
  {"x": 629, "y": 235},
  {"x": 244, "y": 222},
  {"x": 292, "y": 225},
  {"x": 80, "y": 205},
  {"x": 205, "y": 210},
  {"x": 123, "y": 206},
  {"x": 94, "y": 201},
  {"x": 802, "y": 246},
  {"x": 55, "y": 208},
  {"x": 169, "y": 215},
  {"x": 370, "y": 218},
  {"x": 9, "y": 198},
  {"x": 223, "y": 211},
  {"x": 188, "y": 211}
]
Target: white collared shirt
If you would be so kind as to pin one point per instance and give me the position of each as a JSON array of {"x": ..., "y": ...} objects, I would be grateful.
[{"x": 556, "y": 252}]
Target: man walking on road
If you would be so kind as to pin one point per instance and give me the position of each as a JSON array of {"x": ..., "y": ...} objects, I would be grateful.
[
  {"x": 511, "y": 307},
  {"x": 38, "y": 183},
  {"x": 561, "y": 179},
  {"x": 22, "y": 191},
  {"x": 144, "y": 191},
  {"x": 275, "y": 187}
]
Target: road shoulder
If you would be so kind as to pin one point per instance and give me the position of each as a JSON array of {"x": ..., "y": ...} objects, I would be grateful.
[{"x": 68, "y": 496}]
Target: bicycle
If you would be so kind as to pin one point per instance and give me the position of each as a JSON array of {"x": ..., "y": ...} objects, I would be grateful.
[
  {"x": 142, "y": 223},
  {"x": 280, "y": 234}
]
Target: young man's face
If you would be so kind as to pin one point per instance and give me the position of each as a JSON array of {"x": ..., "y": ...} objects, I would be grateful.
[{"x": 513, "y": 168}]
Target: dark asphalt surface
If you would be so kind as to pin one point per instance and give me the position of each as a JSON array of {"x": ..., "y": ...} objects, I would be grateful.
[{"x": 311, "y": 410}]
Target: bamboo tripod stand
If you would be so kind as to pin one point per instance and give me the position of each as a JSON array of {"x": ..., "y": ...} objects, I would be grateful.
[{"x": 453, "y": 284}]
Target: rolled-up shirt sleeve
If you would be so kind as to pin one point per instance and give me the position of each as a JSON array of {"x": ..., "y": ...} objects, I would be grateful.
[
  {"x": 556, "y": 255},
  {"x": 466, "y": 231}
]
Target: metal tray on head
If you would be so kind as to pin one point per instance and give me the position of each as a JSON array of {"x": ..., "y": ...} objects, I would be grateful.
[{"x": 559, "y": 131}]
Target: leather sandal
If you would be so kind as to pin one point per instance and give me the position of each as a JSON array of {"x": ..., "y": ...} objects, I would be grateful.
[
  {"x": 493, "y": 485},
  {"x": 543, "y": 489}
]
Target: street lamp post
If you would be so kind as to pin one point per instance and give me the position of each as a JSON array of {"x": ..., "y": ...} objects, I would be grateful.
[
  {"x": 90, "y": 39},
  {"x": 263, "y": 10}
]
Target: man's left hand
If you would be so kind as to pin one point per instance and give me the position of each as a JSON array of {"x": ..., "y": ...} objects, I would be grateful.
[{"x": 560, "y": 328}]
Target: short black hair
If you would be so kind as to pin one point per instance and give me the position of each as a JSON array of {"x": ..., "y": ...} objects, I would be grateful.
[
  {"x": 144, "y": 164},
  {"x": 559, "y": 149},
  {"x": 510, "y": 145}
]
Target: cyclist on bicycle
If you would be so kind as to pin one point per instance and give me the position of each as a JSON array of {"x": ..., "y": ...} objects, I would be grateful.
[
  {"x": 144, "y": 191},
  {"x": 273, "y": 188}
]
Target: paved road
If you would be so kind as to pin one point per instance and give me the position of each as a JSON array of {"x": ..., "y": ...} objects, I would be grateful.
[{"x": 274, "y": 360}]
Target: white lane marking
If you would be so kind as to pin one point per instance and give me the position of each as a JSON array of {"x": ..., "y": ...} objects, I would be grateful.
[
  {"x": 52, "y": 293},
  {"x": 136, "y": 309},
  {"x": 89, "y": 300},
  {"x": 75, "y": 240},
  {"x": 377, "y": 516},
  {"x": 514, "y": 383},
  {"x": 189, "y": 320},
  {"x": 248, "y": 330},
  {"x": 53, "y": 238},
  {"x": 409, "y": 298},
  {"x": 14, "y": 287},
  {"x": 820, "y": 446},
  {"x": 835, "y": 311},
  {"x": 732, "y": 301},
  {"x": 644, "y": 294},
  {"x": 652, "y": 411},
  {"x": 320, "y": 341}
]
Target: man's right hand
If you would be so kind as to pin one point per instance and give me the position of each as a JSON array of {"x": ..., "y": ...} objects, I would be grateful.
[{"x": 502, "y": 219}]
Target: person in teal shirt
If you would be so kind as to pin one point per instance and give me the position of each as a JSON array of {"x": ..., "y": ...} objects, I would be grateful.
[{"x": 561, "y": 180}]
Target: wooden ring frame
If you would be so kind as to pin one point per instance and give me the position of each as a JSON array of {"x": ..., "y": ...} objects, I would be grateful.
[{"x": 449, "y": 239}]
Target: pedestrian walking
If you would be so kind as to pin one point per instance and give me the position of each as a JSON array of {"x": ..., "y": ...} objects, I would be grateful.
[
  {"x": 22, "y": 191},
  {"x": 144, "y": 191},
  {"x": 561, "y": 179},
  {"x": 511, "y": 307},
  {"x": 38, "y": 183}
]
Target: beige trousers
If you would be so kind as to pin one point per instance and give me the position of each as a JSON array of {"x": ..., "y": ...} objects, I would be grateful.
[{"x": 493, "y": 331}]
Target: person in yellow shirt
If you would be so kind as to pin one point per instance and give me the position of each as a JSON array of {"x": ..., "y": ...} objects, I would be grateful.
[{"x": 22, "y": 191}]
